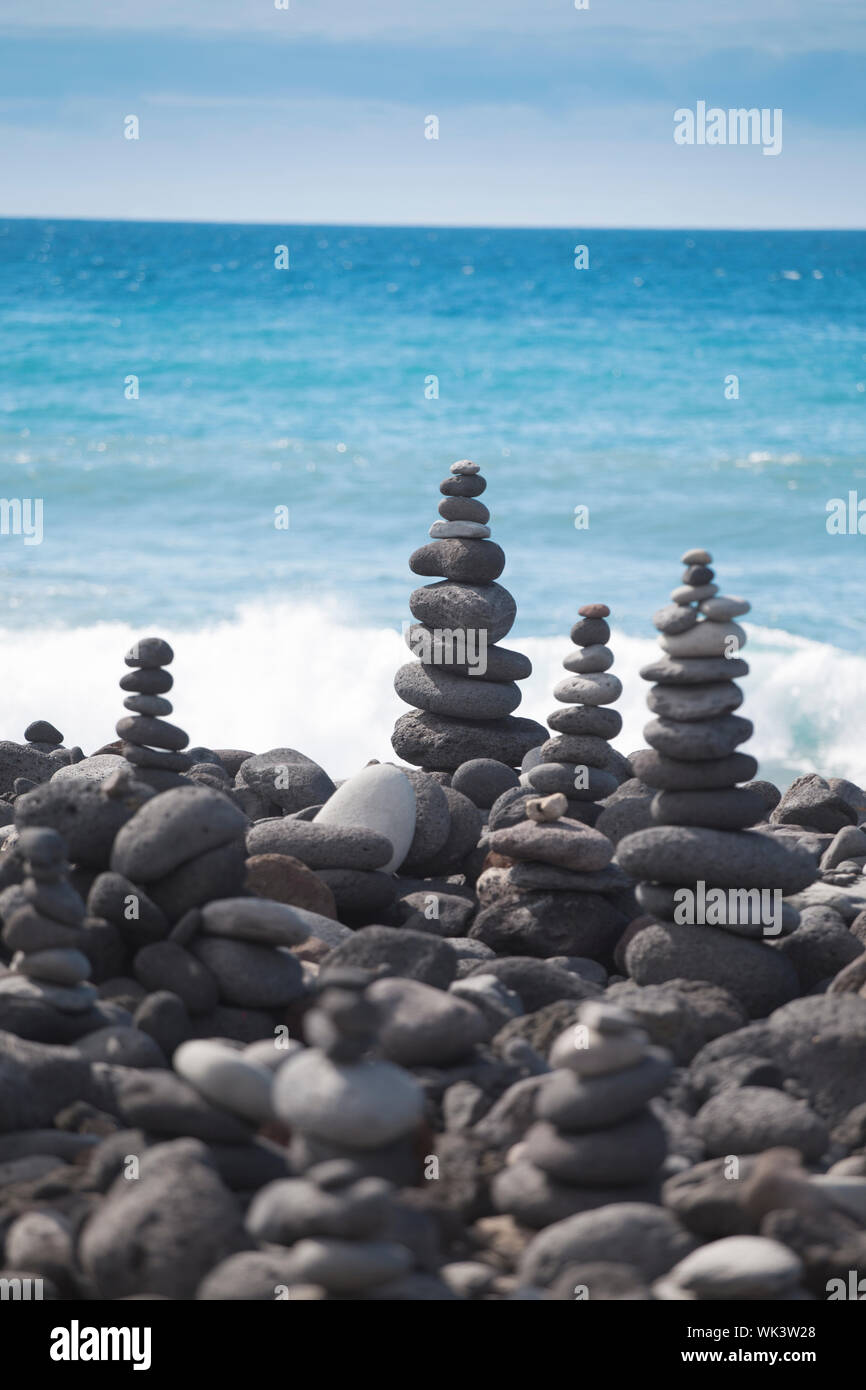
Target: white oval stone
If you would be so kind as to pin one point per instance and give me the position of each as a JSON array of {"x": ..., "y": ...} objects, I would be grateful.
[
  {"x": 724, "y": 607},
  {"x": 465, "y": 466},
  {"x": 749, "y": 1267},
  {"x": 588, "y": 1052},
  {"x": 226, "y": 1078},
  {"x": 363, "y": 1105},
  {"x": 380, "y": 798},
  {"x": 600, "y": 688}
]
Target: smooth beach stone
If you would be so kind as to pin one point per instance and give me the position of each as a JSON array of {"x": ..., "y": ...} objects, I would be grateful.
[
  {"x": 699, "y": 738},
  {"x": 672, "y": 774},
  {"x": 172, "y": 828},
  {"x": 696, "y": 557},
  {"x": 463, "y": 697},
  {"x": 94, "y": 769},
  {"x": 40, "y": 731},
  {"x": 693, "y": 593},
  {"x": 166, "y": 965},
  {"x": 483, "y": 659},
  {"x": 536, "y": 1199},
  {"x": 594, "y": 610},
  {"x": 750, "y": 915},
  {"x": 432, "y": 818},
  {"x": 321, "y": 846},
  {"x": 595, "y": 720},
  {"x": 725, "y": 859},
  {"x": 466, "y": 561},
  {"x": 584, "y": 749},
  {"x": 465, "y": 466},
  {"x": 544, "y": 924},
  {"x": 122, "y": 1046},
  {"x": 148, "y": 704},
  {"x": 546, "y": 877},
  {"x": 151, "y": 733},
  {"x": 689, "y": 671},
  {"x": 149, "y": 652},
  {"x": 481, "y": 607},
  {"x": 361, "y": 896},
  {"x": 623, "y": 1154},
  {"x": 459, "y": 530},
  {"x": 346, "y": 1266},
  {"x": 600, "y": 689},
  {"x": 60, "y": 966},
  {"x": 575, "y": 1103},
  {"x": 463, "y": 485},
  {"x": 723, "y": 608},
  {"x": 694, "y": 702},
  {"x": 697, "y": 575},
  {"x": 291, "y": 1209},
  {"x": 463, "y": 509},
  {"x": 285, "y": 778},
  {"x": 729, "y": 808},
  {"x": 218, "y": 873},
  {"x": 378, "y": 798},
  {"x": 548, "y": 778},
  {"x": 587, "y": 1051},
  {"x": 586, "y": 660},
  {"x": 437, "y": 742},
  {"x": 407, "y": 953},
  {"x": 148, "y": 681},
  {"x": 703, "y": 640},
  {"x": 156, "y": 760},
  {"x": 483, "y": 780},
  {"x": 674, "y": 618},
  {"x": 25, "y": 929},
  {"x": 364, "y": 1105},
  {"x": 73, "y": 999},
  {"x": 225, "y": 1077},
  {"x": 641, "y": 1234},
  {"x": 464, "y": 831},
  {"x": 758, "y": 976},
  {"x": 259, "y": 920},
  {"x": 590, "y": 632},
  {"x": 250, "y": 976},
  {"x": 283, "y": 879},
  {"x": 752, "y": 1119},
  {"x": 422, "y": 1026},
  {"x": 564, "y": 843},
  {"x": 737, "y": 1267}
]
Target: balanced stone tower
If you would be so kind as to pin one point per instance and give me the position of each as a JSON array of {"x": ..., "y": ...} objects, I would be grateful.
[
  {"x": 149, "y": 742},
  {"x": 595, "y": 1139},
  {"x": 578, "y": 760},
  {"x": 463, "y": 688},
  {"x": 698, "y": 863}
]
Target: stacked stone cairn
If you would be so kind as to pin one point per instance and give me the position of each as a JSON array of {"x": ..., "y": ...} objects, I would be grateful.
[
  {"x": 547, "y": 887},
  {"x": 464, "y": 687},
  {"x": 339, "y": 1102},
  {"x": 595, "y": 1140},
  {"x": 43, "y": 917},
  {"x": 578, "y": 760},
  {"x": 700, "y": 840},
  {"x": 151, "y": 744}
]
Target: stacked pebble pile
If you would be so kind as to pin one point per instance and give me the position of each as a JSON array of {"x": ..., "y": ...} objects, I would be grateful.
[
  {"x": 149, "y": 742},
  {"x": 595, "y": 1140},
  {"x": 700, "y": 813},
  {"x": 43, "y": 917},
  {"x": 578, "y": 760},
  {"x": 546, "y": 892},
  {"x": 462, "y": 716},
  {"x": 337, "y": 1102}
]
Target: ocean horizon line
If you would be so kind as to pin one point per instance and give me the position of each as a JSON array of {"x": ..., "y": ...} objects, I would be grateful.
[{"x": 427, "y": 226}]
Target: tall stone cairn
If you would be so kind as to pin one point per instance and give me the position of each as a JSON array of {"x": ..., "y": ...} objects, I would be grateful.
[{"x": 463, "y": 688}]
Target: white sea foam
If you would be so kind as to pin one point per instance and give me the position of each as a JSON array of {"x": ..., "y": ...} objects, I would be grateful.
[{"x": 305, "y": 676}]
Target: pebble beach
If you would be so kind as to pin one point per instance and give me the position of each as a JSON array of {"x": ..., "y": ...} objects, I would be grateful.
[{"x": 511, "y": 1015}]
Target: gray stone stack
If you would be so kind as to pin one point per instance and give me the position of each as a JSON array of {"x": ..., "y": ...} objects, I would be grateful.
[
  {"x": 554, "y": 896},
  {"x": 337, "y": 1101},
  {"x": 595, "y": 1140},
  {"x": 43, "y": 917},
  {"x": 578, "y": 760},
  {"x": 459, "y": 716},
  {"x": 151, "y": 744},
  {"x": 699, "y": 838}
]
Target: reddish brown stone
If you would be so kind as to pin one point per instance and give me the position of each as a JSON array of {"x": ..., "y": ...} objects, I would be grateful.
[
  {"x": 286, "y": 880},
  {"x": 594, "y": 610}
]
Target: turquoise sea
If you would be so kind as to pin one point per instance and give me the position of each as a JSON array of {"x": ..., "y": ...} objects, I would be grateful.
[{"x": 166, "y": 389}]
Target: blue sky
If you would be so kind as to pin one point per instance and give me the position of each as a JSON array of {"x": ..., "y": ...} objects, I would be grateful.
[{"x": 548, "y": 115}]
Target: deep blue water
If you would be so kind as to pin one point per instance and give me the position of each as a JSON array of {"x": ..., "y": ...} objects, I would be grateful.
[{"x": 261, "y": 388}]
